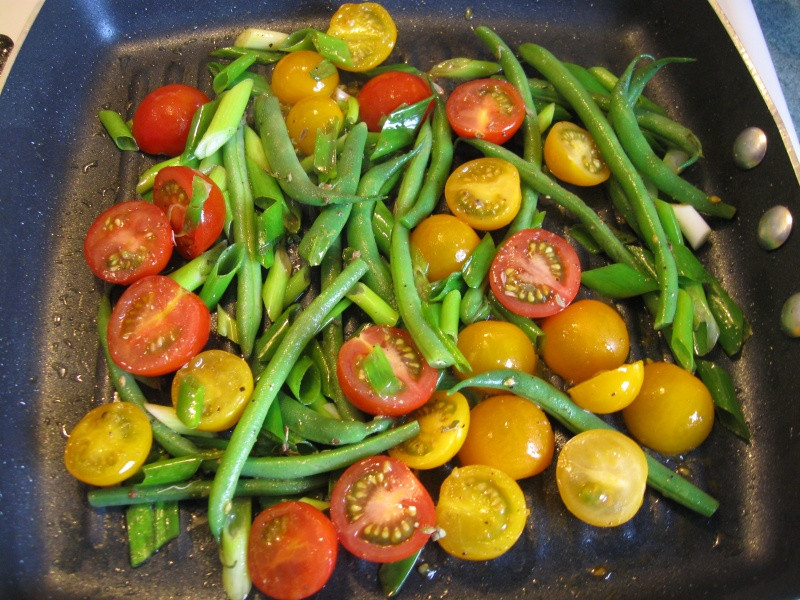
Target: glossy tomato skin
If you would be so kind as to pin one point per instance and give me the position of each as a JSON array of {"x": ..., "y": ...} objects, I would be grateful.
[
  {"x": 307, "y": 116},
  {"x": 511, "y": 434},
  {"x": 109, "y": 444},
  {"x": 536, "y": 273},
  {"x": 388, "y": 91},
  {"x": 128, "y": 241},
  {"x": 673, "y": 412},
  {"x": 291, "y": 551},
  {"x": 391, "y": 516},
  {"x": 172, "y": 192},
  {"x": 490, "y": 345},
  {"x": 162, "y": 120},
  {"x": 587, "y": 337},
  {"x": 445, "y": 243},
  {"x": 417, "y": 377},
  {"x": 293, "y": 80},
  {"x": 156, "y": 326},
  {"x": 489, "y": 109}
]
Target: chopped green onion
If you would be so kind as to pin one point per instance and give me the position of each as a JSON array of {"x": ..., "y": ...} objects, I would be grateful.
[
  {"x": 260, "y": 39},
  {"x": 226, "y": 120},
  {"x": 227, "y": 76},
  {"x": 118, "y": 129},
  {"x": 379, "y": 373},
  {"x": 191, "y": 394}
]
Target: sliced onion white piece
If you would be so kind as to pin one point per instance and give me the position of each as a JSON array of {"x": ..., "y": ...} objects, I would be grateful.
[
  {"x": 260, "y": 39},
  {"x": 692, "y": 224},
  {"x": 168, "y": 416}
]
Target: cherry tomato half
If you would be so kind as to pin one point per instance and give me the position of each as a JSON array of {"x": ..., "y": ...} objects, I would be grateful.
[
  {"x": 156, "y": 326},
  {"x": 370, "y": 33},
  {"x": 381, "y": 510},
  {"x": 293, "y": 78},
  {"x": 673, "y": 412},
  {"x": 417, "y": 379},
  {"x": 571, "y": 154},
  {"x": 227, "y": 381},
  {"x": 388, "y": 91},
  {"x": 511, "y": 434},
  {"x": 291, "y": 551},
  {"x": 587, "y": 337},
  {"x": 108, "y": 444},
  {"x": 445, "y": 243},
  {"x": 172, "y": 192},
  {"x": 128, "y": 241},
  {"x": 601, "y": 476},
  {"x": 489, "y": 109},
  {"x": 482, "y": 512},
  {"x": 536, "y": 273},
  {"x": 443, "y": 426},
  {"x": 485, "y": 192},
  {"x": 162, "y": 120}
]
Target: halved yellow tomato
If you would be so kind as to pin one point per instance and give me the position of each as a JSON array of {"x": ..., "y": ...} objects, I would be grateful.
[
  {"x": 571, "y": 154},
  {"x": 484, "y": 192},
  {"x": 310, "y": 115},
  {"x": 609, "y": 391},
  {"x": 370, "y": 33},
  {"x": 482, "y": 512},
  {"x": 443, "y": 425},
  {"x": 293, "y": 77}
]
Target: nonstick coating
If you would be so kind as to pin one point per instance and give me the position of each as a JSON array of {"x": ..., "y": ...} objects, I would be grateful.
[{"x": 58, "y": 170}]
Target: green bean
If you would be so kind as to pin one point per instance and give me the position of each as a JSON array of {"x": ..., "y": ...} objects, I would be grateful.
[
  {"x": 464, "y": 69},
  {"x": 409, "y": 303},
  {"x": 200, "y": 488},
  {"x": 297, "y": 285},
  {"x": 560, "y": 407},
  {"x": 244, "y": 435},
  {"x": 360, "y": 234},
  {"x": 283, "y": 162},
  {"x": 534, "y": 177},
  {"x": 172, "y": 470},
  {"x": 376, "y": 308},
  {"x": 328, "y": 459},
  {"x": 680, "y": 333},
  {"x": 262, "y": 57},
  {"x": 146, "y": 179},
  {"x": 382, "y": 223},
  {"x": 608, "y": 80},
  {"x": 226, "y": 120},
  {"x": 528, "y": 326},
  {"x": 314, "y": 427},
  {"x": 248, "y": 294},
  {"x": 474, "y": 306},
  {"x": 723, "y": 392},
  {"x": 476, "y": 267},
  {"x": 618, "y": 281},
  {"x": 641, "y": 155},
  {"x": 415, "y": 171},
  {"x": 331, "y": 220},
  {"x": 118, "y": 129},
  {"x": 194, "y": 273},
  {"x": 438, "y": 171},
  {"x": 668, "y": 221},
  {"x": 621, "y": 166}
]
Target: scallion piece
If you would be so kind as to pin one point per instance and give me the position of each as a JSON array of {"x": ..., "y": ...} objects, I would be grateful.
[
  {"x": 229, "y": 75},
  {"x": 191, "y": 394},
  {"x": 118, "y": 129},
  {"x": 226, "y": 119},
  {"x": 379, "y": 373},
  {"x": 371, "y": 303}
]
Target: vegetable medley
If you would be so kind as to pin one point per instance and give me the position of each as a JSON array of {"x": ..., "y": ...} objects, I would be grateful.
[{"x": 342, "y": 272}]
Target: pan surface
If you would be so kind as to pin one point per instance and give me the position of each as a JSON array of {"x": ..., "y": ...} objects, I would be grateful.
[{"x": 58, "y": 170}]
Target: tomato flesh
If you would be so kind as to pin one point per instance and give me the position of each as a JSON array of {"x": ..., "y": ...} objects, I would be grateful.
[
  {"x": 128, "y": 241},
  {"x": 172, "y": 192},
  {"x": 370, "y": 33},
  {"x": 571, "y": 154},
  {"x": 156, "y": 326},
  {"x": 381, "y": 511},
  {"x": 162, "y": 120},
  {"x": 484, "y": 192},
  {"x": 536, "y": 273},
  {"x": 291, "y": 550},
  {"x": 489, "y": 109},
  {"x": 387, "y": 92},
  {"x": 417, "y": 378},
  {"x": 108, "y": 444}
]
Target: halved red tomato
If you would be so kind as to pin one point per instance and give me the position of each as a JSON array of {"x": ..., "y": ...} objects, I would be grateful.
[
  {"x": 128, "y": 241},
  {"x": 162, "y": 120},
  {"x": 381, "y": 510},
  {"x": 536, "y": 273},
  {"x": 291, "y": 551},
  {"x": 415, "y": 378},
  {"x": 172, "y": 193},
  {"x": 489, "y": 109},
  {"x": 388, "y": 91},
  {"x": 156, "y": 326}
]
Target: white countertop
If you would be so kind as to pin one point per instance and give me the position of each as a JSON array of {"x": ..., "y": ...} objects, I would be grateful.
[{"x": 18, "y": 16}]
